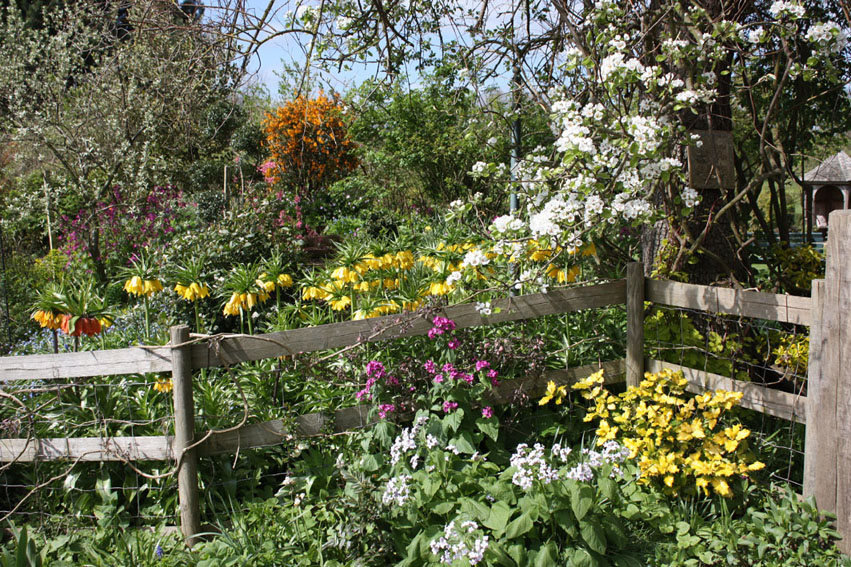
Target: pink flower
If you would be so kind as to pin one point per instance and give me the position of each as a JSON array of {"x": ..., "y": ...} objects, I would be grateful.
[
  {"x": 438, "y": 379},
  {"x": 487, "y": 412},
  {"x": 430, "y": 366},
  {"x": 453, "y": 344},
  {"x": 492, "y": 373},
  {"x": 482, "y": 364},
  {"x": 384, "y": 409},
  {"x": 449, "y": 407},
  {"x": 494, "y": 382}
]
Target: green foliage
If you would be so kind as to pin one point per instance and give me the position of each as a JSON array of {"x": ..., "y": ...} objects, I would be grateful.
[
  {"x": 25, "y": 553},
  {"x": 777, "y": 529}
]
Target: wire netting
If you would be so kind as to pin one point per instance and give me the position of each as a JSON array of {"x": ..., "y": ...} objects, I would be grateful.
[{"x": 67, "y": 494}]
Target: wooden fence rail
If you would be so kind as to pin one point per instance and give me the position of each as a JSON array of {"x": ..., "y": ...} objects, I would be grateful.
[{"x": 828, "y": 432}]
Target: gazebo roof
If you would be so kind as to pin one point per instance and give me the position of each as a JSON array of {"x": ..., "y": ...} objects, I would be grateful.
[{"x": 835, "y": 169}]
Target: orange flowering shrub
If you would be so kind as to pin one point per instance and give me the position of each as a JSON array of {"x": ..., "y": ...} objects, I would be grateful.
[{"x": 308, "y": 142}]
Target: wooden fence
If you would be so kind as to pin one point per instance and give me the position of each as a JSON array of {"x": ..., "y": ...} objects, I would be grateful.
[{"x": 825, "y": 410}]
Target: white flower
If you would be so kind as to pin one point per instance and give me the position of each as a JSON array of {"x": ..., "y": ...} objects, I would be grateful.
[
  {"x": 506, "y": 223},
  {"x": 397, "y": 491},
  {"x": 475, "y": 258},
  {"x": 690, "y": 197},
  {"x": 453, "y": 277},
  {"x": 484, "y": 308},
  {"x": 781, "y": 8}
]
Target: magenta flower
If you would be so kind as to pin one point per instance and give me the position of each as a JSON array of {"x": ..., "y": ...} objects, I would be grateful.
[
  {"x": 438, "y": 379},
  {"x": 375, "y": 368},
  {"x": 453, "y": 344},
  {"x": 449, "y": 407},
  {"x": 384, "y": 409},
  {"x": 492, "y": 373},
  {"x": 487, "y": 412},
  {"x": 482, "y": 364},
  {"x": 430, "y": 366}
]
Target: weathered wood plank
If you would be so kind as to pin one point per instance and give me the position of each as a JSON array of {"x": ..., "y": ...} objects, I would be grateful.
[
  {"x": 87, "y": 449},
  {"x": 134, "y": 360},
  {"x": 184, "y": 435},
  {"x": 235, "y": 349},
  {"x": 755, "y": 397},
  {"x": 820, "y": 436},
  {"x": 634, "y": 323},
  {"x": 835, "y": 368},
  {"x": 769, "y": 306}
]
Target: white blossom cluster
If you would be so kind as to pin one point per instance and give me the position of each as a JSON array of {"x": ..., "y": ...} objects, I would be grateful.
[
  {"x": 406, "y": 441},
  {"x": 463, "y": 542},
  {"x": 475, "y": 258},
  {"x": 530, "y": 466},
  {"x": 397, "y": 491},
  {"x": 782, "y": 8},
  {"x": 828, "y": 36},
  {"x": 690, "y": 197}
]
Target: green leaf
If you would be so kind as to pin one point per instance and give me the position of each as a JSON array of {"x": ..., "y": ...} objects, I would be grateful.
[
  {"x": 594, "y": 536},
  {"x": 500, "y": 513},
  {"x": 564, "y": 518},
  {"x": 546, "y": 556},
  {"x": 581, "y": 500},
  {"x": 370, "y": 463},
  {"x": 582, "y": 558},
  {"x": 464, "y": 443},
  {"x": 452, "y": 421},
  {"x": 489, "y": 427},
  {"x": 518, "y": 526},
  {"x": 518, "y": 554},
  {"x": 443, "y": 508}
]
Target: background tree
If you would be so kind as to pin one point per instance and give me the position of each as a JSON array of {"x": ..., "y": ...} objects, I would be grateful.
[{"x": 100, "y": 109}]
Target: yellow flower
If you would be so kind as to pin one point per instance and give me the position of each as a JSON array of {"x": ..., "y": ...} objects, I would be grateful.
[
  {"x": 285, "y": 280},
  {"x": 163, "y": 385},
  {"x": 553, "y": 391},
  {"x": 721, "y": 487},
  {"x": 341, "y": 303},
  {"x": 605, "y": 432},
  {"x": 135, "y": 285},
  {"x": 439, "y": 288}
]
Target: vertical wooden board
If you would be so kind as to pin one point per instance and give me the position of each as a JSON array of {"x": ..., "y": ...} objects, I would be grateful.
[
  {"x": 835, "y": 371},
  {"x": 817, "y": 445},
  {"x": 634, "y": 323},
  {"x": 184, "y": 434}
]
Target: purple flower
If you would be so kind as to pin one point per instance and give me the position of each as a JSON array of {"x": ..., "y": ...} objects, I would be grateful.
[
  {"x": 441, "y": 325},
  {"x": 482, "y": 364},
  {"x": 453, "y": 344},
  {"x": 449, "y": 407},
  {"x": 375, "y": 368},
  {"x": 438, "y": 379},
  {"x": 494, "y": 382},
  {"x": 492, "y": 373},
  {"x": 384, "y": 409},
  {"x": 487, "y": 412},
  {"x": 430, "y": 366}
]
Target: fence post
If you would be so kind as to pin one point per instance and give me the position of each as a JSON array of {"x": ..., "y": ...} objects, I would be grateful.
[
  {"x": 184, "y": 435},
  {"x": 827, "y": 458},
  {"x": 634, "y": 323}
]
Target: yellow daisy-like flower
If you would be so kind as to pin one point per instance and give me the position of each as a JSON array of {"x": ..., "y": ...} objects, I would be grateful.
[{"x": 553, "y": 392}]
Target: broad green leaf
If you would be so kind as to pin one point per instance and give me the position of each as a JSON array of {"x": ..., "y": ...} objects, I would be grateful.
[
  {"x": 564, "y": 518},
  {"x": 464, "y": 443},
  {"x": 581, "y": 500},
  {"x": 594, "y": 536},
  {"x": 500, "y": 513},
  {"x": 452, "y": 421},
  {"x": 443, "y": 508},
  {"x": 518, "y": 526},
  {"x": 518, "y": 554},
  {"x": 489, "y": 427},
  {"x": 546, "y": 556}
]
